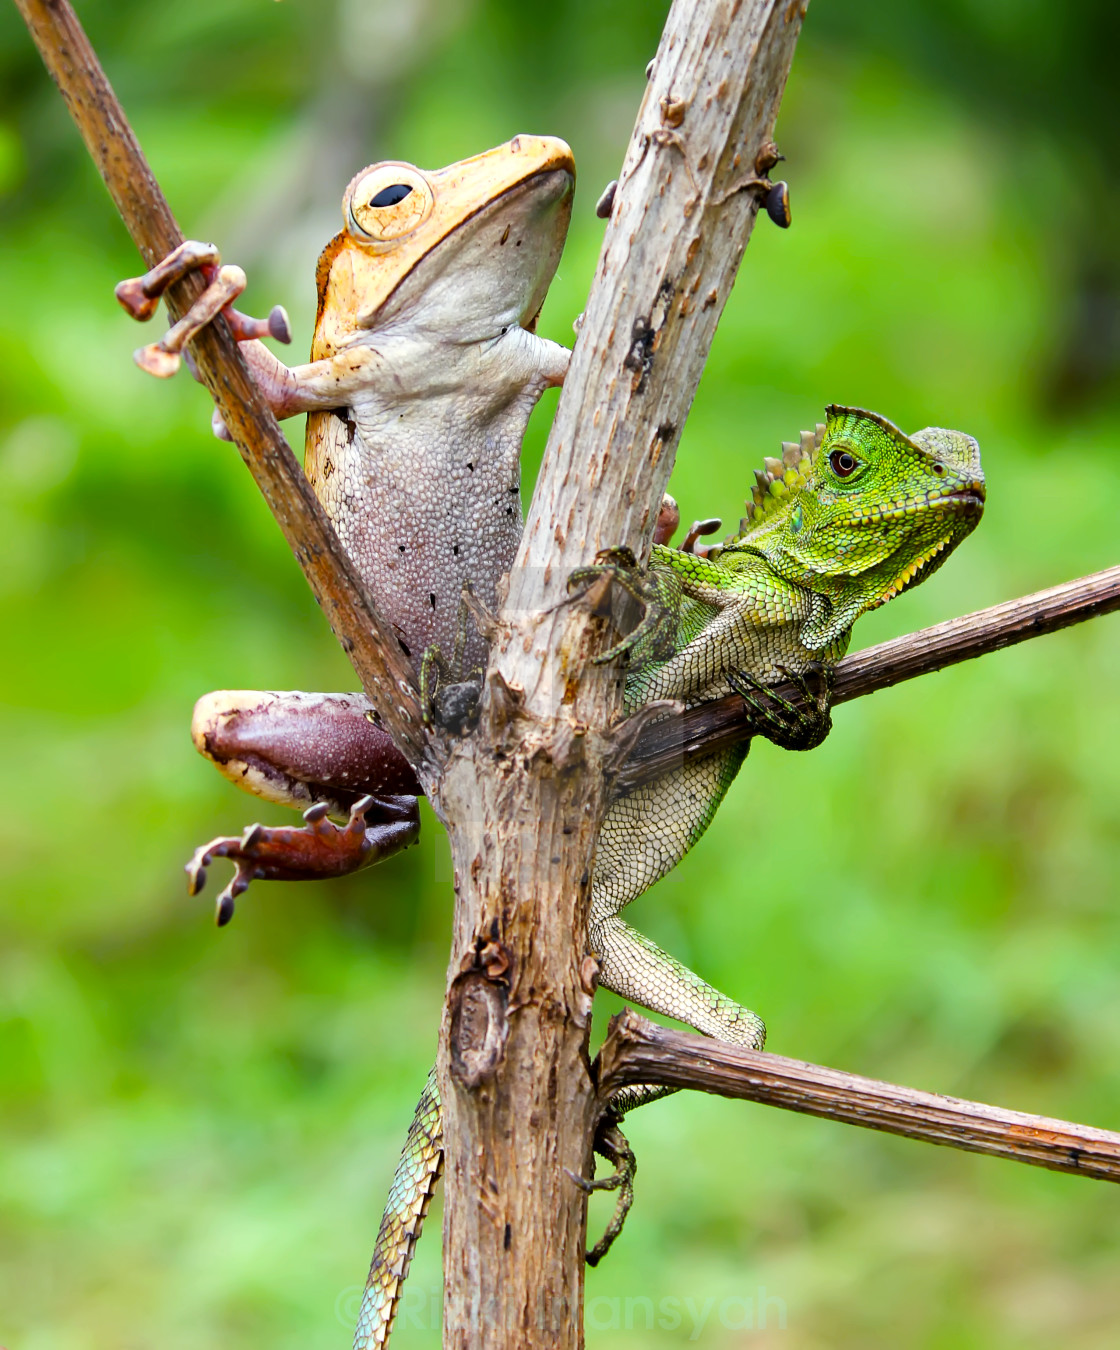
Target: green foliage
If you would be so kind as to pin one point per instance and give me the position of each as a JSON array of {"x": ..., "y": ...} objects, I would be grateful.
[{"x": 199, "y": 1128}]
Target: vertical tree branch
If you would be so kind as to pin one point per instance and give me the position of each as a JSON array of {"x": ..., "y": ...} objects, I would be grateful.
[{"x": 523, "y": 798}]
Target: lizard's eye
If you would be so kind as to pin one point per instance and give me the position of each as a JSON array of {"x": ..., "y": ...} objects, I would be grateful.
[
  {"x": 843, "y": 463},
  {"x": 386, "y": 202}
]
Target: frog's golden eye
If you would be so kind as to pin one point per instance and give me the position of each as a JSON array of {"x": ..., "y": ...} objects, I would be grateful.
[{"x": 386, "y": 202}]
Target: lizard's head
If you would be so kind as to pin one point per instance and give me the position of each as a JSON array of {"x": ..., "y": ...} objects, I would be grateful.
[{"x": 858, "y": 512}]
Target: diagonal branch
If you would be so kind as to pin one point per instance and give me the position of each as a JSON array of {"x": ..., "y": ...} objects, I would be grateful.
[
  {"x": 713, "y": 726},
  {"x": 367, "y": 639},
  {"x": 637, "y": 1051}
]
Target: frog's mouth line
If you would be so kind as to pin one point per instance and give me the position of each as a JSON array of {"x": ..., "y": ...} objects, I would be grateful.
[{"x": 549, "y": 187}]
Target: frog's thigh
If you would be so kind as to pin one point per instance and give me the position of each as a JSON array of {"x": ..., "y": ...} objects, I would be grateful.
[{"x": 297, "y": 749}]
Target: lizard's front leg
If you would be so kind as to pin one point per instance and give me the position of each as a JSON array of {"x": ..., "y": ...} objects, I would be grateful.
[
  {"x": 656, "y": 594},
  {"x": 785, "y": 724}
]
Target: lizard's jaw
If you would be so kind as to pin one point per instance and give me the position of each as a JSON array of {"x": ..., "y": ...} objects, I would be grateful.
[
  {"x": 969, "y": 498},
  {"x": 911, "y": 573}
]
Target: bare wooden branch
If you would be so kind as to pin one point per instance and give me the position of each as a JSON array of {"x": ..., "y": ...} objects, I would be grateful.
[
  {"x": 713, "y": 726},
  {"x": 638, "y": 1051},
  {"x": 382, "y": 666},
  {"x": 523, "y": 798}
]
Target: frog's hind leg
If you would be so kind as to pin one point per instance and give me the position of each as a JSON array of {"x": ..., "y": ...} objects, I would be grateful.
[
  {"x": 377, "y": 827},
  {"x": 322, "y": 752}
]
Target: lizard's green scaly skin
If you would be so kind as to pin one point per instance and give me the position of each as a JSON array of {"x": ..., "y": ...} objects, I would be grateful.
[
  {"x": 414, "y": 1183},
  {"x": 847, "y": 519},
  {"x": 851, "y": 516}
]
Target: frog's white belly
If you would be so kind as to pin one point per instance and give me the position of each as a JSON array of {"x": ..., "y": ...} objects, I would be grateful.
[{"x": 422, "y": 507}]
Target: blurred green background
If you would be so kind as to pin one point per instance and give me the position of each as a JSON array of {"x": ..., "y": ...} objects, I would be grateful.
[{"x": 199, "y": 1127}]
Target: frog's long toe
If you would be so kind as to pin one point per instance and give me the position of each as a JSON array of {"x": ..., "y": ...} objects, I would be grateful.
[
  {"x": 377, "y": 827},
  {"x": 140, "y": 297},
  {"x": 162, "y": 358},
  {"x": 277, "y": 326}
]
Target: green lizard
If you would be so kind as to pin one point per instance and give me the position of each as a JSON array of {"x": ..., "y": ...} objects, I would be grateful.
[{"x": 847, "y": 519}]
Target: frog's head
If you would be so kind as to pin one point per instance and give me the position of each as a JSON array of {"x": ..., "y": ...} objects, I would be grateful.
[{"x": 462, "y": 253}]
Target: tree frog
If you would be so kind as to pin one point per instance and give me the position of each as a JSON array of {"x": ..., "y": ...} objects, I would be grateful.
[{"x": 424, "y": 370}]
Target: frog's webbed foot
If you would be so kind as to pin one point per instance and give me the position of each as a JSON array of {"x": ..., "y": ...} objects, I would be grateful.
[
  {"x": 668, "y": 518},
  {"x": 611, "y": 1144},
  {"x": 788, "y": 726},
  {"x": 140, "y": 297},
  {"x": 653, "y": 592},
  {"x": 377, "y": 827}
]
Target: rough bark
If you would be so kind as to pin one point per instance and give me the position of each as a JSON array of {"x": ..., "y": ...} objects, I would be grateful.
[
  {"x": 637, "y": 1051},
  {"x": 523, "y": 798}
]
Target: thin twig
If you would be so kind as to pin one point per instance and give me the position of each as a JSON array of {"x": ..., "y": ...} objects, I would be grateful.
[
  {"x": 638, "y": 1051},
  {"x": 714, "y": 726},
  {"x": 382, "y": 666}
]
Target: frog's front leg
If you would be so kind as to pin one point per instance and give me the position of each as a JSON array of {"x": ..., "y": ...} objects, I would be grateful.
[
  {"x": 323, "y": 752},
  {"x": 140, "y": 297}
]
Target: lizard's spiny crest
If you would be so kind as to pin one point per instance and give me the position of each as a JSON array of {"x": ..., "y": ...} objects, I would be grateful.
[{"x": 774, "y": 482}]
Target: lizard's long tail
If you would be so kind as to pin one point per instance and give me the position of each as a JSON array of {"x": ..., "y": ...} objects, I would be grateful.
[{"x": 414, "y": 1184}]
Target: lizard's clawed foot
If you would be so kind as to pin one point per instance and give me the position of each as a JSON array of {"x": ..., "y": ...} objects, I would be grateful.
[
  {"x": 140, "y": 297},
  {"x": 449, "y": 695},
  {"x": 305, "y": 853},
  {"x": 612, "y": 1144},
  {"x": 652, "y": 639},
  {"x": 787, "y": 725}
]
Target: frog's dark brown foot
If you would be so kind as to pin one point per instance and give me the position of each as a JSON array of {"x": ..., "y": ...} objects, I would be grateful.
[
  {"x": 140, "y": 296},
  {"x": 377, "y": 828},
  {"x": 787, "y": 725},
  {"x": 611, "y": 1144}
]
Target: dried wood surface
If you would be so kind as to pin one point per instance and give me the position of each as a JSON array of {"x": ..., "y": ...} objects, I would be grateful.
[
  {"x": 523, "y": 798},
  {"x": 638, "y": 1051}
]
